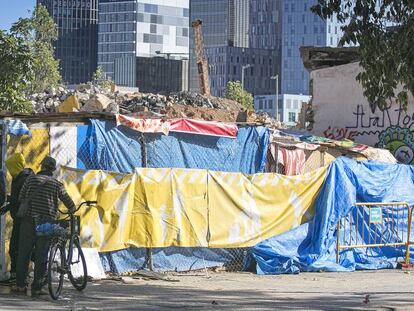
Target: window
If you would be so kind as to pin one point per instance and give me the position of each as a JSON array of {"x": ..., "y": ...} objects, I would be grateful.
[
  {"x": 292, "y": 117},
  {"x": 260, "y": 104},
  {"x": 270, "y": 104},
  {"x": 153, "y": 28},
  {"x": 295, "y": 104}
]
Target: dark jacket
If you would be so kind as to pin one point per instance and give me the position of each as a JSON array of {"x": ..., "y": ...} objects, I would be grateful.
[
  {"x": 16, "y": 187},
  {"x": 3, "y": 189}
]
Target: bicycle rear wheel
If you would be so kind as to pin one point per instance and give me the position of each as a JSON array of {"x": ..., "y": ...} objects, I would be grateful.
[
  {"x": 78, "y": 274},
  {"x": 56, "y": 270}
]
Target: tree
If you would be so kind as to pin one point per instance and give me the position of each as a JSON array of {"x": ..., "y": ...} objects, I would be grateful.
[
  {"x": 384, "y": 31},
  {"x": 16, "y": 71},
  {"x": 40, "y": 31},
  {"x": 235, "y": 92},
  {"x": 99, "y": 79}
]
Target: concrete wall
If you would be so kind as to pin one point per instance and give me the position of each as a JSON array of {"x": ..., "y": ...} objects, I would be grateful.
[{"x": 342, "y": 112}]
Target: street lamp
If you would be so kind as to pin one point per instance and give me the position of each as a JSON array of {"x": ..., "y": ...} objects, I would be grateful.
[
  {"x": 276, "y": 77},
  {"x": 243, "y": 68}
]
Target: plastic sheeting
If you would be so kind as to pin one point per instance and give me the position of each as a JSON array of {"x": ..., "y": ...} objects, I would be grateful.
[
  {"x": 246, "y": 154},
  {"x": 33, "y": 148},
  {"x": 105, "y": 146},
  {"x": 312, "y": 246},
  {"x": 170, "y": 259},
  {"x": 164, "y": 207}
]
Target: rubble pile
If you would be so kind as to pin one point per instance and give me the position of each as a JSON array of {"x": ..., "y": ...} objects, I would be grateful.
[{"x": 92, "y": 98}]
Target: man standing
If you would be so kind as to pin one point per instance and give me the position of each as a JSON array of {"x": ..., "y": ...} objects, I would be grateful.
[
  {"x": 44, "y": 192},
  {"x": 16, "y": 166}
]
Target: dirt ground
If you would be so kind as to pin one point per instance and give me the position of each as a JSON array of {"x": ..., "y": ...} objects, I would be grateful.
[{"x": 369, "y": 290}]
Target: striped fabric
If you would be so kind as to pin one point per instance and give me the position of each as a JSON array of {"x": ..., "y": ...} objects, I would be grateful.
[{"x": 44, "y": 193}]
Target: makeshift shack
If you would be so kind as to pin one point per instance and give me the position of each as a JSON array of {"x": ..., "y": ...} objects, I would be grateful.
[{"x": 174, "y": 195}]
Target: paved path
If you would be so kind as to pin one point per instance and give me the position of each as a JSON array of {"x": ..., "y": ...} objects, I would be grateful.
[{"x": 387, "y": 290}]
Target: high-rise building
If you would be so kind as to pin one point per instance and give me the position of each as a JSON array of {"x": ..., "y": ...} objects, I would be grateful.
[
  {"x": 301, "y": 27},
  {"x": 141, "y": 28},
  {"x": 227, "y": 62},
  {"x": 239, "y": 23},
  {"x": 280, "y": 26},
  {"x": 227, "y": 33},
  {"x": 76, "y": 47},
  {"x": 265, "y": 26}
]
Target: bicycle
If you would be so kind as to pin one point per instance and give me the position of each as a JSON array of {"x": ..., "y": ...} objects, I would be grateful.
[{"x": 59, "y": 262}]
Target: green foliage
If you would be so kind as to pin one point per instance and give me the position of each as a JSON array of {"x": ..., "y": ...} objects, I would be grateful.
[
  {"x": 40, "y": 31},
  {"x": 386, "y": 53},
  {"x": 16, "y": 71},
  {"x": 99, "y": 79},
  {"x": 235, "y": 92}
]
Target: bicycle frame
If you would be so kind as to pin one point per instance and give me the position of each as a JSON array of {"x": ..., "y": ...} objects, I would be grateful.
[
  {"x": 73, "y": 232},
  {"x": 66, "y": 254}
]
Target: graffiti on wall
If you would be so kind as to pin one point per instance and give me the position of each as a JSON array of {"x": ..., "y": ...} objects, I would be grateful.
[
  {"x": 393, "y": 127},
  {"x": 399, "y": 141}
]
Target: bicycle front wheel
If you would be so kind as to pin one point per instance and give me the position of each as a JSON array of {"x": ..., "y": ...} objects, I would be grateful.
[
  {"x": 56, "y": 270},
  {"x": 78, "y": 274}
]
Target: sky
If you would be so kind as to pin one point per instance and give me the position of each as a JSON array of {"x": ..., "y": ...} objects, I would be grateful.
[{"x": 11, "y": 11}]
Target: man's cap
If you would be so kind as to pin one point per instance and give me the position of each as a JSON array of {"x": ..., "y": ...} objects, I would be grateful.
[{"x": 49, "y": 164}]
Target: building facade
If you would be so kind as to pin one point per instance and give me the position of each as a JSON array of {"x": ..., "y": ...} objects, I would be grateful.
[
  {"x": 226, "y": 64},
  {"x": 76, "y": 47},
  {"x": 301, "y": 27},
  {"x": 290, "y": 106},
  {"x": 230, "y": 44},
  {"x": 162, "y": 75},
  {"x": 135, "y": 28}
]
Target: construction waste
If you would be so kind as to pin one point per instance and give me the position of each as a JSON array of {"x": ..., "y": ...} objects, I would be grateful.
[{"x": 92, "y": 98}]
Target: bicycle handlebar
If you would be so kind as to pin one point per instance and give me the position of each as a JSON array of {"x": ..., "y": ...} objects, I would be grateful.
[{"x": 88, "y": 203}]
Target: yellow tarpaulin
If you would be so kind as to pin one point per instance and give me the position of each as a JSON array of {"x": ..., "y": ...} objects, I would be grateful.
[
  {"x": 34, "y": 148},
  {"x": 188, "y": 207},
  {"x": 247, "y": 209}
]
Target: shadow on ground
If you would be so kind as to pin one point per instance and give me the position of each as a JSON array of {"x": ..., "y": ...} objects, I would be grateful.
[{"x": 109, "y": 295}]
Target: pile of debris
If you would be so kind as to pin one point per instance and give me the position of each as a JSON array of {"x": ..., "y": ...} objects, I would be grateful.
[{"x": 92, "y": 98}]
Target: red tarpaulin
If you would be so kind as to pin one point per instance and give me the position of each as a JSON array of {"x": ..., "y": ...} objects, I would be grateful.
[
  {"x": 204, "y": 127},
  {"x": 179, "y": 125}
]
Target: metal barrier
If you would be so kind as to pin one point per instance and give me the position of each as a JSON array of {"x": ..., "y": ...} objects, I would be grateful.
[{"x": 376, "y": 225}]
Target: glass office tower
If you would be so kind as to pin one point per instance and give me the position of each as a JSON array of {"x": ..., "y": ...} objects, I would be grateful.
[
  {"x": 76, "y": 47},
  {"x": 141, "y": 28}
]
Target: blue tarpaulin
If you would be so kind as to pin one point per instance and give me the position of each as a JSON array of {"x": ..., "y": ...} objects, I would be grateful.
[
  {"x": 102, "y": 145},
  {"x": 17, "y": 128},
  {"x": 312, "y": 246}
]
